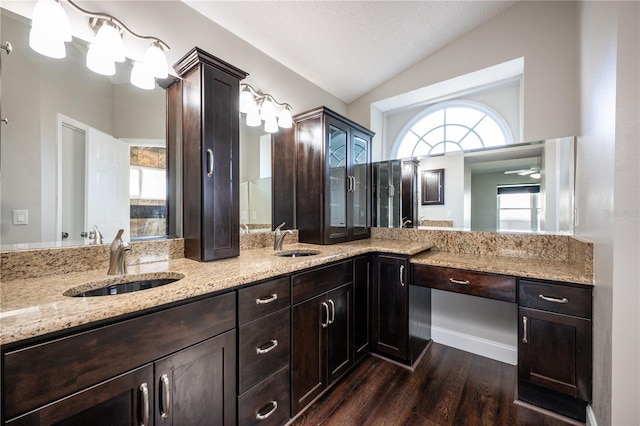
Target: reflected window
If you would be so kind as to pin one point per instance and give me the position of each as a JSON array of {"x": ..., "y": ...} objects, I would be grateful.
[
  {"x": 519, "y": 208},
  {"x": 452, "y": 126}
]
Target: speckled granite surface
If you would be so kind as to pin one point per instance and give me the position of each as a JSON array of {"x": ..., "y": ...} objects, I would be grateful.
[
  {"x": 519, "y": 267},
  {"x": 36, "y": 306}
]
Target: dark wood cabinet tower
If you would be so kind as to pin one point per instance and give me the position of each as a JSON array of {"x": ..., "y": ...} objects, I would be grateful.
[
  {"x": 203, "y": 112},
  {"x": 333, "y": 178}
]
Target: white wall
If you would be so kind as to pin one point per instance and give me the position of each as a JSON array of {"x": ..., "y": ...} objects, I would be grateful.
[
  {"x": 544, "y": 33},
  {"x": 607, "y": 187},
  {"x": 453, "y": 207}
]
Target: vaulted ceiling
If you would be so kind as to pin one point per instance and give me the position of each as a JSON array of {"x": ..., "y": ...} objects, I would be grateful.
[{"x": 349, "y": 48}]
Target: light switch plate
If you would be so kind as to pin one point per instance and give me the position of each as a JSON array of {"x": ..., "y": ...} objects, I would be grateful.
[{"x": 20, "y": 217}]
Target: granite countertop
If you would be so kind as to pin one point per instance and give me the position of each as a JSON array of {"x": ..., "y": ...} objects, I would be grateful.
[
  {"x": 36, "y": 306},
  {"x": 519, "y": 267}
]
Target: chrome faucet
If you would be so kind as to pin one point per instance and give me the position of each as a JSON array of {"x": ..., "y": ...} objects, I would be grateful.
[
  {"x": 95, "y": 236},
  {"x": 244, "y": 227},
  {"x": 405, "y": 222},
  {"x": 278, "y": 236},
  {"x": 117, "y": 258}
]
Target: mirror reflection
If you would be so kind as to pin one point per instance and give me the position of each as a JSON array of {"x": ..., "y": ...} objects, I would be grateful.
[
  {"x": 525, "y": 187},
  {"x": 81, "y": 150},
  {"x": 255, "y": 179}
]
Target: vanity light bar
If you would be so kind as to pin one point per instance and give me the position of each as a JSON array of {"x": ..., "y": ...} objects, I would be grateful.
[
  {"x": 261, "y": 107},
  {"x": 50, "y": 29}
]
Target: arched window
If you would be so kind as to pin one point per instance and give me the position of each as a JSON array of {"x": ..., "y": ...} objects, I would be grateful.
[{"x": 452, "y": 126}]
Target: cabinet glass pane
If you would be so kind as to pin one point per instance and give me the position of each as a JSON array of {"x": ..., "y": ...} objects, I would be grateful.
[
  {"x": 338, "y": 181},
  {"x": 361, "y": 185}
]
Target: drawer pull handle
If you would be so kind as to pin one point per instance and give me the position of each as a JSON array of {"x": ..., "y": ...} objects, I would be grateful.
[
  {"x": 273, "y": 298},
  {"x": 272, "y": 346},
  {"x": 144, "y": 393},
  {"x": 274, "y": 407},
  {"x": 402, "y": 275},
  {"x": 165, "y": 402},
  {"x": 461, "y": 282},
  {"x": 553, "y": 299},
  {"x": 326, "y": 309},
  {"x": 333, "y": 312},
  {"x": 524, "y": 330}
]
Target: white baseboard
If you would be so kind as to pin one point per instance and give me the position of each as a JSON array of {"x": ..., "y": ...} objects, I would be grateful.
[
  {"x": 486, "y": 348},
  {"x": 591, "y": 417}
]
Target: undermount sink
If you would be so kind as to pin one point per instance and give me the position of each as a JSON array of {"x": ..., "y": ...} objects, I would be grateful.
[
  {"x": 297, "y": 253},
  {"x": 123, "y": 284}
]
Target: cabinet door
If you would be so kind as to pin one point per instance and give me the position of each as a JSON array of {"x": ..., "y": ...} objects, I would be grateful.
[
  {"x": 391, "y": 306},
  {"x": 360, "y": 175},
  {"x": 124, "y": 400},
  {"x": 308, "y": 359},
  {"x": 220, "y": 174},
  {"x": 337, "y": 163},
  {"x": 339, "y": 331},
  {"x": 197, "y": 386},
  {"x": 361, "y": 306},
  {"x": 554, "y": 351}
]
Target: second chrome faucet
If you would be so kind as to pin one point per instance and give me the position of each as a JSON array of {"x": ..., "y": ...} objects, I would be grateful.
[{"x": 278, "y": 236}]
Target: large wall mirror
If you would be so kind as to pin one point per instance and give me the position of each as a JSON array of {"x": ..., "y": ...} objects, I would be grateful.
[
  {"x": 68, "y": 129},
  {"x": 527, "y": 187},
  {"x": 255, "y": 179}
]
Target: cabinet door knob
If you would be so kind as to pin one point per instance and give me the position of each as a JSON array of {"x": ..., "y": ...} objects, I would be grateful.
[
  {"x": 272, "y": 346},
  {"x": 553, "y": 299},
  {"x": 165, "y": 402},
  {"x": 524, "y": 330},
  {"x": 144, "y": 395},
  {"x": 274, "y": 406},
  {"x": 326, "y": 309},
  {"x": 209, "y": 162},
  {"x": 270, "y": 299},
  {"x": 333, "y": 312}
]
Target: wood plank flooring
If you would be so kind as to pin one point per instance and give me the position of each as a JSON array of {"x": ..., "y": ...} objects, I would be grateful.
[{"x": 449, "y": 387}]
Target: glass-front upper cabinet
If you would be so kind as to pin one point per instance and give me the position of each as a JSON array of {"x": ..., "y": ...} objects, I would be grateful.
[
  {"x": 333, "y": 178},
  {"x": 360, "y": 183},
  {"x": 338, "y": 185}
]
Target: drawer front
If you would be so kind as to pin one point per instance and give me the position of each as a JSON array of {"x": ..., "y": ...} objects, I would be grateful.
[
  {"x": 263, "y": 299},
  {"x": 499, "y": 287},
  {"x": 553, "y": 297},
  {"x": 39, "y": 374},
  {"x": 264, "y": 348},
  {"x": 312, "y": 283},
  {"x": 267, "y": 403}
]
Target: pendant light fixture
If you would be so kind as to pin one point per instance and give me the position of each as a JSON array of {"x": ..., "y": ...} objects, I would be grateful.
[
  {"x": 50, "y": 29},
  {"x": 263, "y": 107}
]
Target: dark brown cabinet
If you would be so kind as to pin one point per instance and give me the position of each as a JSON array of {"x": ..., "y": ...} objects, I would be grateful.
[
  {"x": 321, "y": 330},
  {"x": 401, "y": 312},
  {"x": 362, "y": 277},
  {"x": 174, "y": 366},
  {"x": 204, "y": 122},
  {"x": 264, "y": 353},
  {"x": 391, "y": 306},
  {"x": 555, "y": 346},
  {"x": 333, "y": 178}
]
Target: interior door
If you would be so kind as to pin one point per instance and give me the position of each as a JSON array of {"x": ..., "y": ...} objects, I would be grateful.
[{"x": 107, "y": 184}]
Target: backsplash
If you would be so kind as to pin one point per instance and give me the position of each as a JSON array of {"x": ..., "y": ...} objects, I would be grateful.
[
  {"x": 557, "y": 248},
  {"x": 23, "y": 264}
]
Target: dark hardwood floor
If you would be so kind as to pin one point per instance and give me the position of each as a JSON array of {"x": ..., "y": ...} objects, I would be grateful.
[{"x": 449, "y": 387}]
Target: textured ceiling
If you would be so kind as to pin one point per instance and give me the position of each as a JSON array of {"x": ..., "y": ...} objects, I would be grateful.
[{"x": 349, "y": 48}]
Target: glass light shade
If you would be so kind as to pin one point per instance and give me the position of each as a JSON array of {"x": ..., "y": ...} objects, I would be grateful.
[
  {"x": 99, "y": 61},
  {"x": 267, "y": 111},
  {"x": 284, "y": 119},
  {"x": 271, "y": 125},
  {"x": 246, "y": 101},
  {"x": 142, "y": 77},
  {"x": 110, "y": 42},
  {"x": 50, "y": 28},
  {"x": 45, "y": 45},
  {"x": 253, "y": 118},
  {"x": 156, "y": 60}
]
